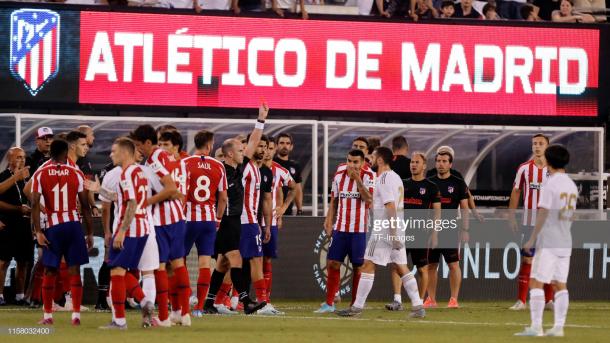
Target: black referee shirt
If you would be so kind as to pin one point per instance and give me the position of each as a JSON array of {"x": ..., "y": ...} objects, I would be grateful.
[{"x": 401, "y": 165}]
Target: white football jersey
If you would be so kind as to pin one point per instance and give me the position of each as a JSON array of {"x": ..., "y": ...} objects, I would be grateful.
[{"x": 558, "y": 195}]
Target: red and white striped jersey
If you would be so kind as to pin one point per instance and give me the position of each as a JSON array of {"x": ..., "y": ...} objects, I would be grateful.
[
  {"x": 133, "y": 186},
  {"x": 205, "y": 176},
  {"x": 529, "y": 179},
  {"x": 281, "y": 178},
  {"x": 352, "y": 212},
  {"x": 59, "y": 185},
  {"x": 169, "y": 211},
  {"x": 42, "y": 203},
  {"x": 251, "y": 180}
]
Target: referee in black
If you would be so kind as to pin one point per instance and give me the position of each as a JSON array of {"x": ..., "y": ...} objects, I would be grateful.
[{"x": 16, "y": 236}]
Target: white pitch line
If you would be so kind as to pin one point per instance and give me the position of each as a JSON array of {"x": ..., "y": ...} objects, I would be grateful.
[
  {"x": 415, "y": 321},
  {"x": 334, "y": 317}
]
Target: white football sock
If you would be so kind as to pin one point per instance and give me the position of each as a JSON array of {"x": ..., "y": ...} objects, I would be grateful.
[
  {"x": 149, "y": 288},
  {"x": 398, "y": 298},
  {"x": 364, "y": 288},
  {"x": 75, "y": 315},
  {"x": 410, "y": 285},
  {"x": 562, "y": 302},
  {"x": 536, "y": 306},
  {"x": 19, "y": 296},
  {"x": 120, "y": 321}
]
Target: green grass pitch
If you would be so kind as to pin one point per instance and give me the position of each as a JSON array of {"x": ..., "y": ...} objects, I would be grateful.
[{"x": 474, "y": 322}]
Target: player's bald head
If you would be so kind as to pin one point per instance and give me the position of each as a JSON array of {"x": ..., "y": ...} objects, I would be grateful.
[{"x": 229, "y": 145}]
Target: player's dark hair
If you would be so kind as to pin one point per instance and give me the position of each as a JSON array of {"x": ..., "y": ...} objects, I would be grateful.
[
  {"x": 526, "y": 11},
  {"x": 74, "y": 136},
  {"x": 374, "y": 142},
  {"x": 363, "y": 139},
  {"x": 356, "y": 153},
  {"x": 264, "y": 138},
  {"x": 61, "y": 135},
  {"x": 59, "y": 149},
  {"x": 399, "y": 142},
  {"x": 447, "y": 3},
  {"x": 271, "y": 140},
  {"x": 557, "y": 156},
  {"x": 546, "y": 138},
  {"x": 283, "y": 135},
  {"x": 488, "y": 7},
  {"x": 385, "y": 154},
  {"x": 174, "y": 137},
  {"x": 203, "y": 138},
  {"x": 126, "y": 143},
  {"x": 446, "y": 153},
  {"x": 165, "y": 128},
  {"x": 144, "y": 133}
]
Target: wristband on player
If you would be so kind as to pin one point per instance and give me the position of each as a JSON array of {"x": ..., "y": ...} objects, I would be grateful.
[{"x": 259, "y": 125}]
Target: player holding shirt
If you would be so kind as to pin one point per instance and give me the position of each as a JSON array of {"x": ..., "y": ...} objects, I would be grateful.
[
  {"x": 351, "y": 195},
  {"x": 454, "y": 195},
  {"x": 386, "y": 245},
  {"x": 130, "y": 236},
  {"x": 553, "y": 240},
  {"x": 420, "y": 194},
  {"x": 230, "y": 234},
  {"x": 61, "y": 186},
  {"x": 530, "y": 177},
  {"x": 170, "y": 227},
  {"x": 205, "y": 178},
  {"x": 281, "y": 178}
]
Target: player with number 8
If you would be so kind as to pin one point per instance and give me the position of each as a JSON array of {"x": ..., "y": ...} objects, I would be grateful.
[{"x": 205, "y": 178}]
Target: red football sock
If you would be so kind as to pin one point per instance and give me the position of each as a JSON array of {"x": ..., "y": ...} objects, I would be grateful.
[
  {"x": 59, "y": 288},
  {"x": 332, "y": 285},
  {"x": 234, "y": 293},
  {"x": 133, "y": 288},
  {"x": 118, "y": 295},
  {"x": 182, "y": 275},
  {"x": 37, "y": 276},
  {"x": 268, "y": 275},
  {"x": 135, "y": 272},
  {"x": 76, "y": 287},
  {"x": 48, "y": 288},
  {"x": 223, "y": 293},
  {"x": 203, "y": 285},
  {"x": 549, "y": 293},
  {"x": 173, "y": 293},
  {"x": 260, "y": 288},
  {"x": 65, "y": 276},
  {"x": 524, "y": 281},
  {"x": 355, "y": 282},
  {"x": 161, "y": 283}
]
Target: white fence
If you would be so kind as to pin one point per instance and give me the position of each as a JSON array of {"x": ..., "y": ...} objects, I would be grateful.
[{"x": 486, "y": 154}]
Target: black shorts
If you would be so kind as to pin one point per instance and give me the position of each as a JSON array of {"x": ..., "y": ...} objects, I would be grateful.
[
  {"x": 450, "y": 255},
  {"x": 419, "y": 257},
  {"x": 16, "y": 243},
  {"x": 227, "y": 237}
]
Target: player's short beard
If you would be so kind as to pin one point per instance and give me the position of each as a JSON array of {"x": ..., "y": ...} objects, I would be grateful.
[{"x": 283, "y": 152}]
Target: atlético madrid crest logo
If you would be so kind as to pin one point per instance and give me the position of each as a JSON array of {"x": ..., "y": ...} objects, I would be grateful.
[
  {"x": 319, "y": 268},
  {"x": 34, "y": 49}
]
